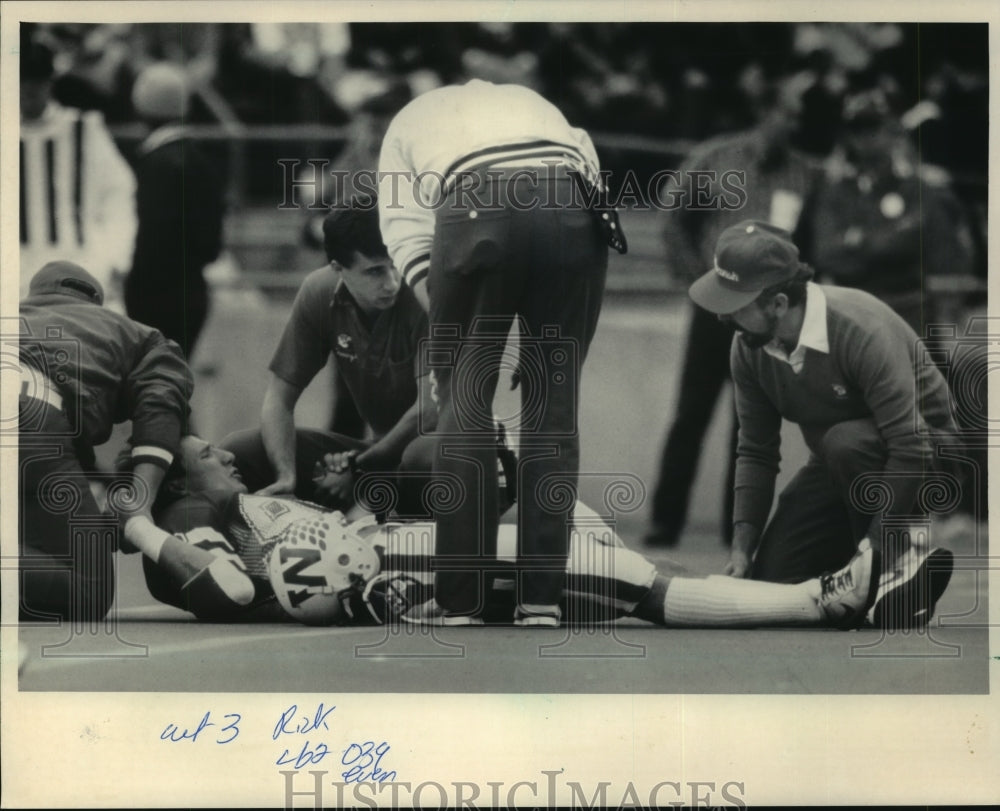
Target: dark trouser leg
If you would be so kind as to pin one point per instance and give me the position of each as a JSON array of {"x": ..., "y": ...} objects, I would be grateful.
[
  {"x": 180, "y": 318},
  {"x": 66, "y": 553},
  {"x": 465, "y": 453},
  {"x": 414, "y": 477},
  {"x": 565, "y": 291},
  {"x": 190, "y": 317},
  {"x": 547, "y": 265},
  {"x": 814, "y": 528},
  {"x": 704, "y": 373},
  {"x": 728, "y": 499},
  {"x": 310, "y": 447},
  {"x": 852, "y": 449},
  {"x": 809, "y": 533}
]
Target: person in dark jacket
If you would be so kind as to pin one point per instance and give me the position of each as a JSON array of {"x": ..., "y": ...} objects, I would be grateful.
[
  {"x": 180, "y": 209},
  {"x": 84, "y": 369},
  {"x": 886, "y": 224}
]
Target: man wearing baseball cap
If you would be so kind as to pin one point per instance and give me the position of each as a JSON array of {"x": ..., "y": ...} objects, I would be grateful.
[{"x": 843, "y": 366}]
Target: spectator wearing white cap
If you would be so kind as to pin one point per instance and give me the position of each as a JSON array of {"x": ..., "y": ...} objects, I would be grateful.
[{"x": 180, "y": 207}]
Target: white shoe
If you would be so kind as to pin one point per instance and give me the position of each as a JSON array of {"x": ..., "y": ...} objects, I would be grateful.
[
  {"x": 908, "y": 591},
  {"x": 537, "y": 616},
  {"x": 430, "y": 613},
  {"x": 847, "y": 594}
]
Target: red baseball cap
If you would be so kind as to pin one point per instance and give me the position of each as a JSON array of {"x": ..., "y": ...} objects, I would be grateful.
[{"x": 749, "y": 257}]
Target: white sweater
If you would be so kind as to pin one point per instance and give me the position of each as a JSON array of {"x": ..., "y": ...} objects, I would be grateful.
[{"x": 462, "y": 128}]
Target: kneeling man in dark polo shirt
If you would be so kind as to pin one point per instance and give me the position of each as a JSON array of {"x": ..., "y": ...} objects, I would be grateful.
[
  {"x": 357, "y": 310},
  {"x": 843, "y": 366}
]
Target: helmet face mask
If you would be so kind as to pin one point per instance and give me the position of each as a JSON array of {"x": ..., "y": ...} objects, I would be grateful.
[{"x": 314, "y": 562}]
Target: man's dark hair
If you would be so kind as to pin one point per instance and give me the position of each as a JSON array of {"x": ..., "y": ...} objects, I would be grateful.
[
  {"x": 353, "y": 227},
  {"x": 794, "y": 288}
]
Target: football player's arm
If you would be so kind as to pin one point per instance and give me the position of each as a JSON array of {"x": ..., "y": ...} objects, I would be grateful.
[
  {"x": 758, "y": 458},
  {"x": 277, "y": 430}
]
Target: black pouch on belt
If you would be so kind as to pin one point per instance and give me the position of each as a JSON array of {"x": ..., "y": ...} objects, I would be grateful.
[{"x": 605, "y": 213}]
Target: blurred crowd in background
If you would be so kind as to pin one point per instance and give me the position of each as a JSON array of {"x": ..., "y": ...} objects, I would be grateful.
[
  {"x": 669, "y": 80},
  {"x": 648, "y": 92},
  {"x": 679, "y": 83}
]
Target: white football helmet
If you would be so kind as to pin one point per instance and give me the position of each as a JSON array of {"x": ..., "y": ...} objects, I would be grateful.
[{"x": 314, "y": 561}]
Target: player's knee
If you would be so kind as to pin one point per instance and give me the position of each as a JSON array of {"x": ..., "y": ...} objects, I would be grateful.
[{"x": 217, "y": 590}]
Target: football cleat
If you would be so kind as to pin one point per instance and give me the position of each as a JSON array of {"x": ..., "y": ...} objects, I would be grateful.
[
  {"x": 315, "y": 563},
  {"x": 430, "y": 613},
  {"x": 847, "y": 594},
  {"x": 908, "y": 592}
]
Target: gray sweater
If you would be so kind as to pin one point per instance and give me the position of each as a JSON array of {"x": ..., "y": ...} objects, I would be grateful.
[{"x": 874, "y": 370}]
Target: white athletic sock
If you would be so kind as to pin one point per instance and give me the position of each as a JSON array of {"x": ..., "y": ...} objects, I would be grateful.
[
  {"x": 146, "y": 536},
  {"x": 730, "y": 602}
]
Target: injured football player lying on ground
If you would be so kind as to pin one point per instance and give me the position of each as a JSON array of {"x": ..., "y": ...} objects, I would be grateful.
[{"x": 227, "y": 555}]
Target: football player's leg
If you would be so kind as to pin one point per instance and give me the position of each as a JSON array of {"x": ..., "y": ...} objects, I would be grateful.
[
  {"x": 725, "y": 602},
  {"x": 414, "y": 478},
  {"x": 603, "y": 579},
  {"x": 606, "y": 580},
  {"x": 839, "y": 599}
]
